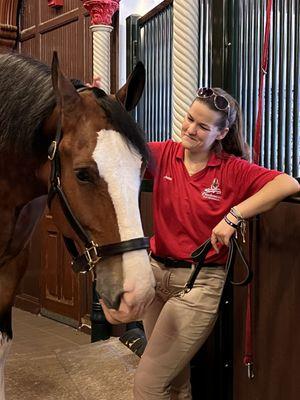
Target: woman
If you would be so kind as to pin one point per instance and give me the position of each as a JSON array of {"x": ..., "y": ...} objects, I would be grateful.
[{"x": 203, "y": 187}]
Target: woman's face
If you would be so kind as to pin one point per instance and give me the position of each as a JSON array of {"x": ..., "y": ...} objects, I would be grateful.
[{"x": 199, "y": 129}]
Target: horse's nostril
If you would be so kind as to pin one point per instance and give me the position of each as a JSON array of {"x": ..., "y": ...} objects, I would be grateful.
[{"x": 113, "y": 301}]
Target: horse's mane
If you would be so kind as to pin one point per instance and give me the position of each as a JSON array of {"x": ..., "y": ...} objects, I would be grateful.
[{"x": 26, "y": 99}]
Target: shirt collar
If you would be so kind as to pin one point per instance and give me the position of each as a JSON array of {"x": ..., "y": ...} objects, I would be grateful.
[{"x": 213, "y": 161}]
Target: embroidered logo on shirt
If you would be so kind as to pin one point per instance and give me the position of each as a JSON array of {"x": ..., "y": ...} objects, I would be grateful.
[
  {"x": 214, "y": 192},
  {"x": 168, "y": 178}
]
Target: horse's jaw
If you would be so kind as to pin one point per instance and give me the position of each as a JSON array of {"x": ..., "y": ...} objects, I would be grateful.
[{"x": 126, "y": 285}]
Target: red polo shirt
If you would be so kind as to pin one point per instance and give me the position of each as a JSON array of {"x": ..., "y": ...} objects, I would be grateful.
[{"x": 186, "y": 208}]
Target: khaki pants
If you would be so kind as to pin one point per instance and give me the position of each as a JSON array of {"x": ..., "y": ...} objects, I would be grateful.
[{"x": 176, "y": 327}]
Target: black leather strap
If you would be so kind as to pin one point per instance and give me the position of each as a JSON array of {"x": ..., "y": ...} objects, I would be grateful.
[
  {"x": 172, "y": 263},
  {"x": 80, "y": 262},
  {"x": 200, "y": 254}
]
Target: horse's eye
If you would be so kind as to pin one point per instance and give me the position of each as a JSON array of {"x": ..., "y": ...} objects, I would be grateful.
[{"x": 83, "y": 175}]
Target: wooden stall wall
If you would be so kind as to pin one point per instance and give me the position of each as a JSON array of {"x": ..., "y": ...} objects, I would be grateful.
[{"x": 275, "y": 308}]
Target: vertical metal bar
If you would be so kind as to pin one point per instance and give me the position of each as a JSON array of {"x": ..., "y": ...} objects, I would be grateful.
[
  {"x": 147, "y": 44},
  {"x": 275, "y": 76},
  {"x": 171, "y": 58},
  {"x": 258, "y": 53},
  {"x": 282, "y": 86},
  {"x": 166, "y": 75},
  {"x": 156, "y": 78},
  {"x": 250, "y": 52},
  {"x": 268, "y": 101},
  {"x": 289, "y": 87},
  {"x": 239, "y": 55},
  {"x": 201, "y": 47},
  {"x": 296, "y": 122},
  {"x": 153, "y": 61},
  {"x": 237, "y": 58},
  {"x": 245, "y": 72},
  {"x": 162, "y": 73},
  {"x": 155, "y": 50}
]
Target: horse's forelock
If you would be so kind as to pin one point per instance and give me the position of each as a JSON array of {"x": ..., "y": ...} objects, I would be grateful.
[{"x": 122, "y": 122}]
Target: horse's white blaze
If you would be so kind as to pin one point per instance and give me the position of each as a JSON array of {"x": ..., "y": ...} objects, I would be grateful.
[
  {"x": 4, "y": 349},
  {"x": 120, "y": 167}
]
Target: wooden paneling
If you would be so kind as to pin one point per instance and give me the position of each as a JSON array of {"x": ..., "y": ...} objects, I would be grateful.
[
  {"x": 28, "y": 296},
  {"x": 29, "y": 17},
  {"x": 67, "y": 41},
  {"x": 49, "y": 13},
  {"x": 276, "y": 304},
  {"x": 60, "y": 285},
  {"x": 30, "y": 48}
]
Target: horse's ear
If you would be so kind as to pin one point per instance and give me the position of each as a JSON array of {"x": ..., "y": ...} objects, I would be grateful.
[
  {"x": 130, "y": 94},
  {"x": 66, "y": 95}
]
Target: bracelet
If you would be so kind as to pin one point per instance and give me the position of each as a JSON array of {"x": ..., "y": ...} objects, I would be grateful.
[
  {"x": 235, "y": 226},
  {"x": 233, "y": 211}
]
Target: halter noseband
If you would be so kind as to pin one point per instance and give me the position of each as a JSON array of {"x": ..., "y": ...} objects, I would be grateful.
[{"x": 93, "y": 252}]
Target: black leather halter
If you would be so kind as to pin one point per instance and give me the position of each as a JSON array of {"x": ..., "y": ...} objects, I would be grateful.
[{"x": 93, "y": 252}]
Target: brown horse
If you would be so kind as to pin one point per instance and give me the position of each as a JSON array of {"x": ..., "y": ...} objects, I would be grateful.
[{"x": 85, "y": 151}]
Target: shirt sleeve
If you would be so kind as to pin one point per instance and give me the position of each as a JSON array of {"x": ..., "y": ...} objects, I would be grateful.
[
  {"x": 156, "y": 149},
  {"x": 250, "y": 178}
]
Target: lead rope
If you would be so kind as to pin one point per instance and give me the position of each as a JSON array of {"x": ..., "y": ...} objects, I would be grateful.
[{"x": 248, "y": 354}]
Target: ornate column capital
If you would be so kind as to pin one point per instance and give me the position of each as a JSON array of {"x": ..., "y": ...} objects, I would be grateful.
[{"x": 101, "y": 11}]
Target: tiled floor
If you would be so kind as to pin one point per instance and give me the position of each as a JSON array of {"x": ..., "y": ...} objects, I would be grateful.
[{"x": 52, "y": 361}]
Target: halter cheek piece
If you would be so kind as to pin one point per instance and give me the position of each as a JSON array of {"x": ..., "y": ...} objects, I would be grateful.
[{"x": 93, "y": 252}]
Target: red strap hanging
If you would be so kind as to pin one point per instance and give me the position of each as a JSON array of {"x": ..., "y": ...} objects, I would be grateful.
[{"x": 248, "y": 355}]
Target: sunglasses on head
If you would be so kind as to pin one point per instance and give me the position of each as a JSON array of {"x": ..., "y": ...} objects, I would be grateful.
[{"x": 220, "y": 102}]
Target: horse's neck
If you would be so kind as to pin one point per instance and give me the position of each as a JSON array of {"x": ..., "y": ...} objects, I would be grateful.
[
  {"x": 19, "y": 186},
  {"x": 19, "y": 180}
]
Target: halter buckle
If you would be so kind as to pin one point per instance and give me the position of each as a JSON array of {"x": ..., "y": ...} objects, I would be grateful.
[{"x": 91, "y": 255}]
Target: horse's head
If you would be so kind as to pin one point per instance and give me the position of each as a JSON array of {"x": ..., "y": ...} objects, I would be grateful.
[{"x": 100, "y": 156}]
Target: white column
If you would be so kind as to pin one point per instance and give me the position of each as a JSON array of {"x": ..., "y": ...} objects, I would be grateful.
[
  {"x": 185, "y": 59},
  {"x": 101, "y": 54}
]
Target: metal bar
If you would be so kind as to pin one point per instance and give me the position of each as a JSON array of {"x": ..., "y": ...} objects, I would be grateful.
[
  {"x": 155, "y": 50},
  {"x": 296, "y": 122},
  {"x": 289, "y": 87},
  {"x": 245, "y": 73},
  {"x": 282, "y": 87},
  {"x": 268, "y": 104},
  {"x": 275, "y": 76},
  {"x": 261, "y": 26}
]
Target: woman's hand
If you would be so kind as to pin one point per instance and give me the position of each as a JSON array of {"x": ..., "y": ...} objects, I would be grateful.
[
  {"x": 221, "y": 234},
  {"x": 96, "y": 82}
]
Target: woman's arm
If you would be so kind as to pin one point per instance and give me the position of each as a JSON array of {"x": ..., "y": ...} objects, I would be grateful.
[
  {"x": 273, "y": 192},
  {"x": 266, "y": 198}
]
